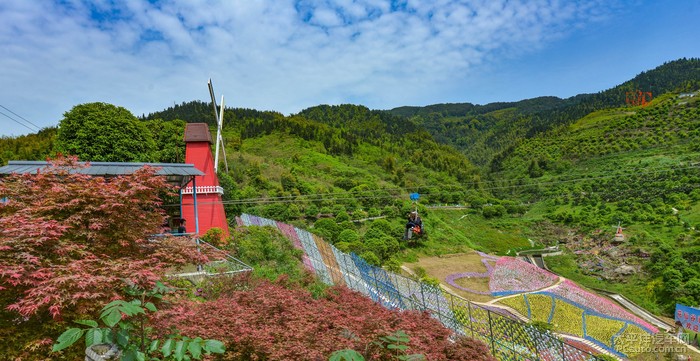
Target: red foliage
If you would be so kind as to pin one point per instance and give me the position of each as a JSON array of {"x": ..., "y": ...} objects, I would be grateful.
[
  {"x": 72, "y": 241},
  {"x": 270, "y": 322}
]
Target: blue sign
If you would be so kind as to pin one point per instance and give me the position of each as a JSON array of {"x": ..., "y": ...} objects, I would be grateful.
[
  {"x": 414, "y": 196},
  {"x": 689, "y": 317}
]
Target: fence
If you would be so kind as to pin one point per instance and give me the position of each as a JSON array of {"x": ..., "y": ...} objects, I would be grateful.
[
  {"x": 226, "y": 265},
  {"x": 508, "y": 338}
]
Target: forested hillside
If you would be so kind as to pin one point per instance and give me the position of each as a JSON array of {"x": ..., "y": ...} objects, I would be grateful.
[
  {"x": 638, "y": 167},
  {"x": 482, "y": 131},
  {"x": 35, "y": 146}
]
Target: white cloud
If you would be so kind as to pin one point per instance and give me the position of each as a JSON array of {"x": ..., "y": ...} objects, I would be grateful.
[{"x": 276, "y": 55}]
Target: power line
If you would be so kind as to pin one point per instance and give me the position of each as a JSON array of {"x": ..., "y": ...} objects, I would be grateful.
[
  {"x": 21, "y": 117},
  {"x": 20, "y": 123},
  {"x": 375, "y": 194}
]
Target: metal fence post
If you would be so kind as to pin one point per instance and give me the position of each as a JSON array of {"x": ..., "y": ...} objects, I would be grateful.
[
  {"x": 376, "y": 286},
  {"x": 562, "y": 349},
  {"x": 493, "y": 346},
  {"x": 471, "y": 323},
  {"x": 439, "y": 311}
]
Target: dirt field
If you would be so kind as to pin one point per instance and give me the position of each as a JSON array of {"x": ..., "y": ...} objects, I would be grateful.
[{"x": 442, "y": 266}]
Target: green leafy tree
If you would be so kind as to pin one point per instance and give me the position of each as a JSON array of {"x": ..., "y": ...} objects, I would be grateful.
[
  {"x": 348, "y": 235},
  {"x": 327, "y": 228},
  {"x": 169, "y": 140},
  {"x": 104, "y": 132}
]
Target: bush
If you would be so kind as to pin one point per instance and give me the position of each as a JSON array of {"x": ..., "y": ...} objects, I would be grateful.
[
  {"x": 371, "y": 258},
  {"x": 327, "y": 229},
  {"x": 493, "y": 211},
  {"x": 272, "y": 323},
  {"x": 348, "y": 236},
  {"x": 342, "y": 217},
  {"x": 215, "y": 236},
  {"x": 268, "y": 252}
]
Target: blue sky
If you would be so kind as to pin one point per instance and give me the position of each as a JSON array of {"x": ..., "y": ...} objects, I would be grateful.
[{"x": 290, "y": 55}]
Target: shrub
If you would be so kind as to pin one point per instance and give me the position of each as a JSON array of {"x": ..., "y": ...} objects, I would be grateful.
[
  {"x": 493, "y": 211},
  {"x": 268, "y": 252},
  {"x": 127, "y": 327},
  {"x": 348, "y": 235},
  {"x": 273, "y": 323},
  {"x": 215, "y": 236}
]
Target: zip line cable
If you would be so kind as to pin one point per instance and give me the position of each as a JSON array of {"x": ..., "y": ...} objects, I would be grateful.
[
  {"x": 375, "y": 194},
  {"x": 269, "y": 201}
]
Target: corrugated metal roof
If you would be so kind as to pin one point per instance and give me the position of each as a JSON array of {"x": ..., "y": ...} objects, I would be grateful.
[{"x": 176, "y": 172}]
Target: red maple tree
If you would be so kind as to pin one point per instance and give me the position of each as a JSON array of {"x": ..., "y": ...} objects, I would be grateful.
[{"x": 74, "y": 241}]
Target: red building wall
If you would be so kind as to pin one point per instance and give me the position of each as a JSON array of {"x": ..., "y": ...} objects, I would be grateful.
[{"x": 210, "y": 210}]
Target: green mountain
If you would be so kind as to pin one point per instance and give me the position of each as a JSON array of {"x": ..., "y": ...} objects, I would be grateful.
[
  {"x": 483, "y": 131},
  {"x": 634, "y": 166}
]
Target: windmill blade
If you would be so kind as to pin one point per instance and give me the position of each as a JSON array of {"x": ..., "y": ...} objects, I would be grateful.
[
  {"x": 213, "y": 100},
  {"x": 219, "y": 137}
]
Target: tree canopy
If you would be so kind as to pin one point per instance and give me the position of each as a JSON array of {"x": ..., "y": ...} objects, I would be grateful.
[{"x": 105, "y": 132}]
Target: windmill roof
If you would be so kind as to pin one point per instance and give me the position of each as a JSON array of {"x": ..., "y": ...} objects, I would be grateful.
[{"x": 197, "y": 132}]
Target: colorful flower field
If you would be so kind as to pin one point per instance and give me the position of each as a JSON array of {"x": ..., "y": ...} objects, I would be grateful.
[
  {"x": 602, "y": 329},
  {"x": 567, "y": 318},
  {"x": 517, "y": 303},
  {"x": 507, "y": 276},
  {"x": 613, "y": 333},
  {"x": 572, "y": 292},
  {"x": 540, "y": 307},
  {"x": 511, "y": 275},
  {"x": 633, "y": 341}
]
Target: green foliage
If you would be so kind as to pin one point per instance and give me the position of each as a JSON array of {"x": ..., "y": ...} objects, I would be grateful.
[
  {"x": 492, "y": 211},
  {"x": 342, "y": 217},
  {"x": 268, "y": 252},
  {"x": 328, "y": 229},
  {"x": 37, "y": 146},
  {"x": 542, "y": 325},
  {"x": 169, "y": 140},
  {"x": 104, "y": 132},
  {"x": 371, "y": 258},
  {"x": 125, "y": 324},
  {"x": 215, "y": 236},
  {"x": 348, "y": 236},
  {"x": 393, "y": 346},
  {"x": 488, "y": 133}
]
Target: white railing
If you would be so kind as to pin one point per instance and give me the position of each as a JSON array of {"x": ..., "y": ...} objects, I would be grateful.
[{"x": 204, "y": 190}]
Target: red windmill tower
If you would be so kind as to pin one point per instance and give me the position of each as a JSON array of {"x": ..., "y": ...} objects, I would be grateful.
[{"x": 202, "y": 204}]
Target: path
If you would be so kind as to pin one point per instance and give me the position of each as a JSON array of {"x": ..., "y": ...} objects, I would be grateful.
[
  {"x": 559, "y": 281},
  {"x": 644, "y": 314}
]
